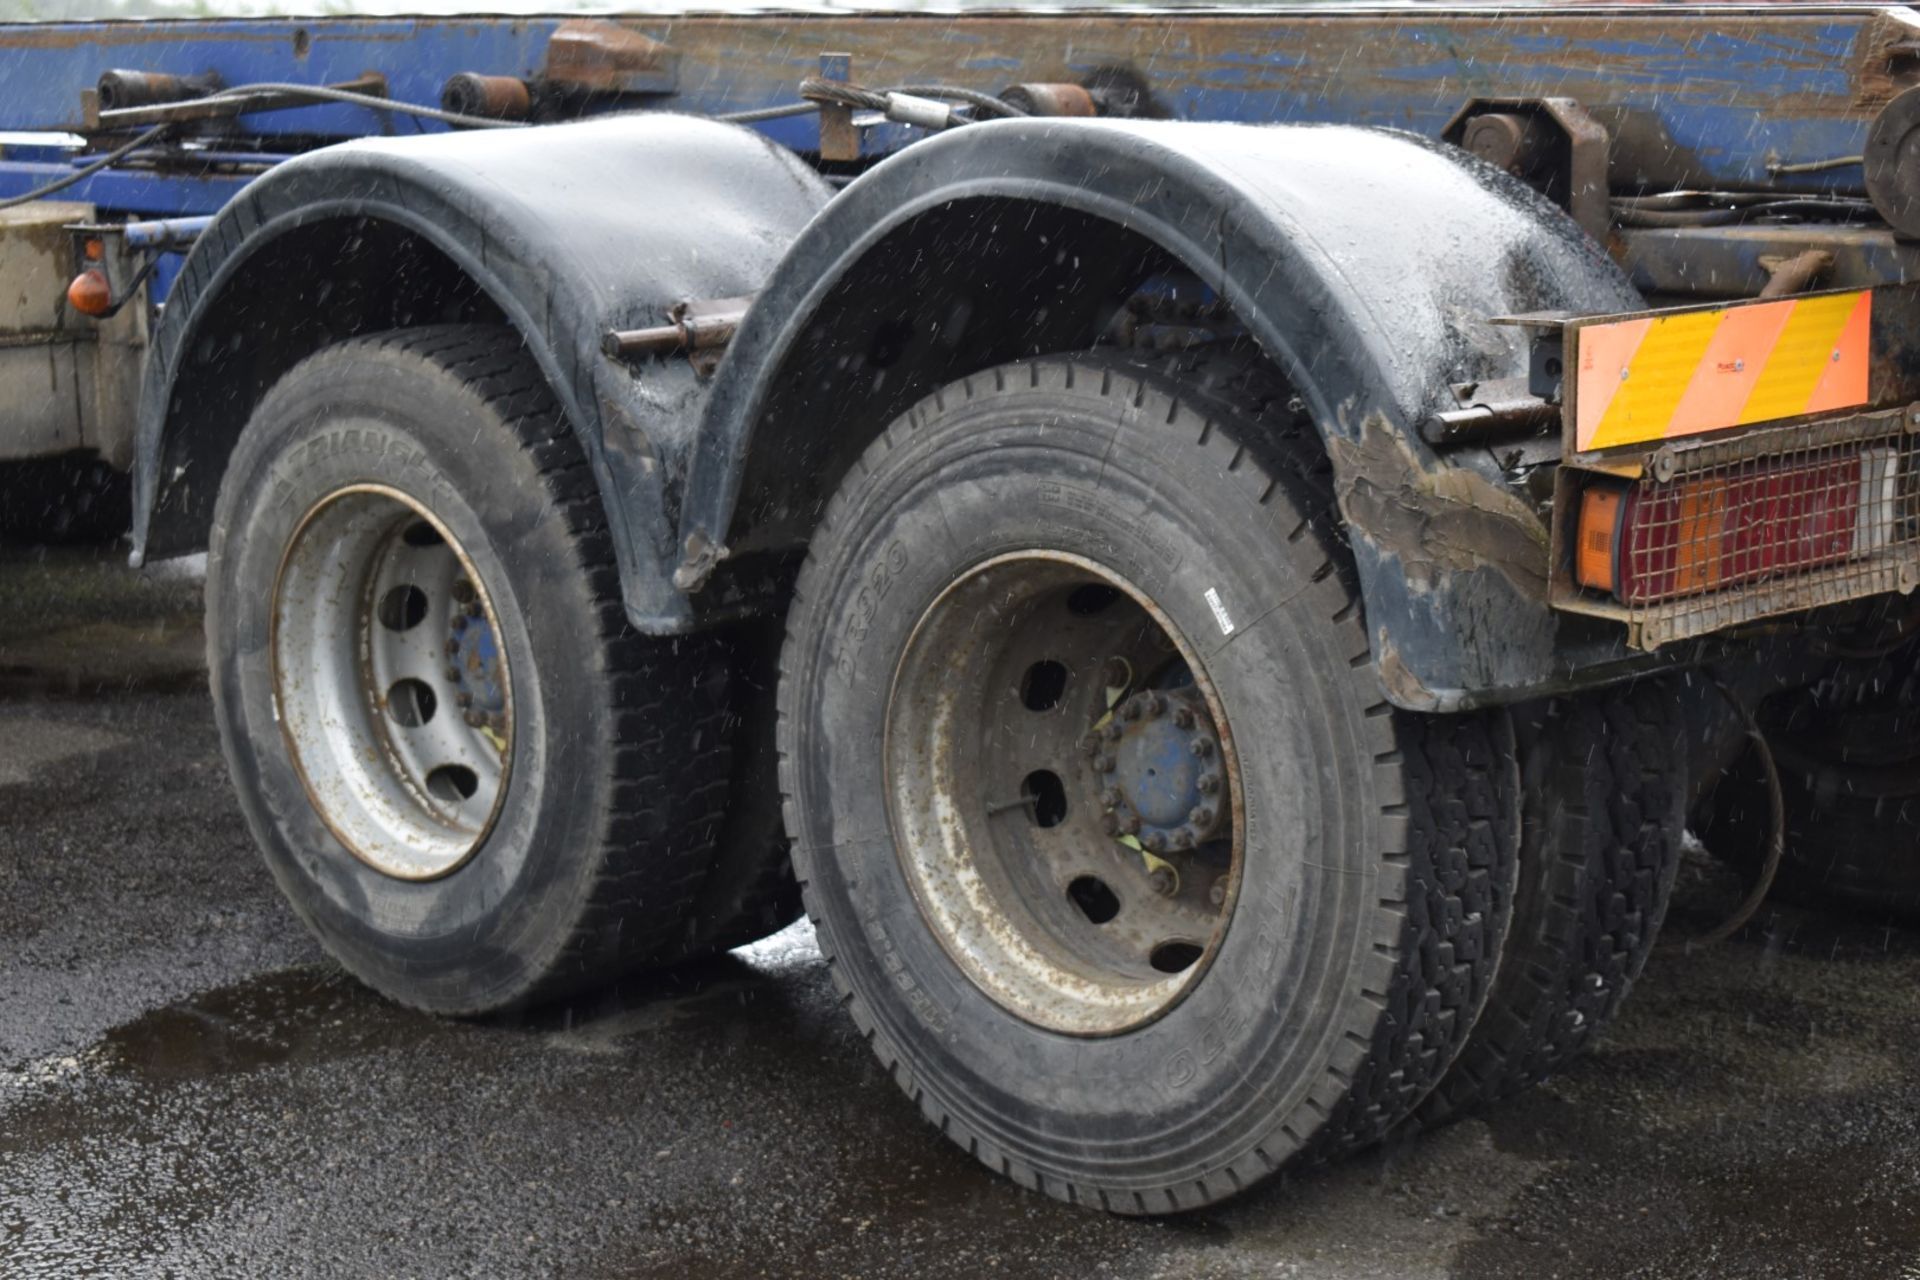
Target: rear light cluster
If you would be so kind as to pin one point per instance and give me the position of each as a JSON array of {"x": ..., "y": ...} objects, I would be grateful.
[{"x": 1647, "y": 541}]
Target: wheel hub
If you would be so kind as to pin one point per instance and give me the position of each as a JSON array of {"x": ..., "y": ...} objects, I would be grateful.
[
  {"x": 1061, "y": 789},
  {"x": 1157, "y": 760}
]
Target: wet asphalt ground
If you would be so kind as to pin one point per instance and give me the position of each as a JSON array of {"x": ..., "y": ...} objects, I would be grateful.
[{"x": 188, "y": 1088}]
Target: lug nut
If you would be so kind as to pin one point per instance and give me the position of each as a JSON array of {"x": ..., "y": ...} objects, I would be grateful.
[
  {"x": 474, "y": 610},
  {"x": 1103, "y": 764},
  {"x": 464, "y": 699},
  {"x": 453, "y": 673},
  {"x": 1114, "y": 731},
  {"x": 1183, "y": 838},
  {"x": 1163, "y": 882},
  {"x": 1201, "y": 817},
  {"x": 1133, "y": 708},
  {"x": 1202, "y": 747},
  {"x": 476, "y": 719},
  {"x": 1130, "y": 824},
  {"x": 1154, "y": 842},
  {"x": 1115, "y": 673},
  {"x": 1209, "y": 783},
  {"x": 1217, "y": 895},
  {"x": 1183, "y": 717},
  {"x": 1156, "y": 705},
  {"x": 1090, "y": 744},
  {"x": 462, "y": 590},
  {"x": 1110, "y": 798}
]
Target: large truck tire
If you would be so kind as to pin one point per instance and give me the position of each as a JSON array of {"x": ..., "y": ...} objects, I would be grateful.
[
  {"x": 1123, "y": 863},
  {"x": 1603, "y": 777},
  {"x": 472, "y": 779},
  {"x": 1848, "y": 758}
]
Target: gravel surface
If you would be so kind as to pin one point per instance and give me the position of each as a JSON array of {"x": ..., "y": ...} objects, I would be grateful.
[{"x": 188, "y": 1088}]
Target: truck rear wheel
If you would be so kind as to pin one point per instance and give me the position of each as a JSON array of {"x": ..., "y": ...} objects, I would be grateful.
[
  {"x": 1123, "y": 863},
  {"x": 471, "y": 778},
  {"x": 1605, "y": 794}
]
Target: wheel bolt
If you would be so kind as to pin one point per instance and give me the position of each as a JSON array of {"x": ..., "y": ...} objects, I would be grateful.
[
  {"x": 1183, "y": 717},
  {"x": 1103, "y": 764},
  {"x": 1183, "y": 838},
  {"x": 1201, "y": 817},
  {"x": 1115, "y": 673},
  {"x": 453, "y": 646},
  {"x": 459, "y": 622},
  {"x": 464, "y": 699},
  {"x": 1110, "y": 798},
  {"x": 1156, "y": 705},
  {"x": 474, "y": 610},
  {"x": 462, "y": 590},
  {"x": 453, "y": 673},
  {"x": 1154, "y": 842},
  {"x": 1133, "y": 708},
  {"x": 1114, "y": 731},
  {"x": 1202, "y": 747},
  {"x": 1163, "y": 882},
  {"x": 1130, "y": 824},
  {"x": 1217, "y": 895},
  {"x": 1090, "y": 744},
  {"x": 1209, "y": 783},
  {"x": 476, "y": 719},
  {"x": 1110, "y": 824}
]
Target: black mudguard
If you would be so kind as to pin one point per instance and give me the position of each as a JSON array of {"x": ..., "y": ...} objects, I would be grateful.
[
  {"x": 564, "y": 231},
  {"x": 1367, "y": 263}
]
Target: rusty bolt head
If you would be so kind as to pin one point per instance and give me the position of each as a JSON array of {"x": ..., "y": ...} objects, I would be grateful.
[
  {"x": 1202, "y": 747},
  {"x": 1201, "y": 817},
  {"x": 1156, "y": 705},
  {"x": 1103, "y": 764},
  {"x": 1090, "y": 744},
  {"x": 1114, "y": 731},
  {"x": 1110, "y": 798},
  {"x": 1130, "y": 824},
  {"x": 1183, "y": 838},
  {"x": 1132, "y": 708},
  {"x": 1154, "y": 842},
  {"x": 1183, "y": 717},
  {"x": 463, "y": 698},
  {"x": 476, "y": 719},
  {"x": 1217, "y": 895},
  {"x": 1208, "y": 783},
  {"x": 463, "y": 590},
  {"x": 1163, "y": 882}
]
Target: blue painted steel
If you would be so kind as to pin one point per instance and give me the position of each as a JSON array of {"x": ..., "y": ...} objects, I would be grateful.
[
  {"x": 127, "y": 190},
  {"x": 165, "y": 232}
]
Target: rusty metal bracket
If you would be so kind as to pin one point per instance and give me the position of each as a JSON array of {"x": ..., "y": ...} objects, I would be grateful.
[
  {"x": 598, "y": 56},
  {"x": 700, "y": 327},
  {"x": 839, "y": 140},
  {"x": 1552, "y": 144}
]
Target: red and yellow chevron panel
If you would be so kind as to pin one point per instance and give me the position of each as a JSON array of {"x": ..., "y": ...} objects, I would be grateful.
[{"x": 1657, "y": 377}]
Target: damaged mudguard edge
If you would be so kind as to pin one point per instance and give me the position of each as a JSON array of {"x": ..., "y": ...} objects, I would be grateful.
[
  {"x": 565, "y": 232},
  {"x": 1367, "y": 263}
]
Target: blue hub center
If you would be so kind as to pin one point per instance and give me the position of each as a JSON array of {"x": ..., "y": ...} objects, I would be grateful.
[{"x": 1158, "y": 758}]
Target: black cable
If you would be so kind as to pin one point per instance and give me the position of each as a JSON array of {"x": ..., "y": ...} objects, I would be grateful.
[
  {"x": 86, "y": 171},
  {"x": 767, "y": 113},
  {"x": 1776, "y": 833}
]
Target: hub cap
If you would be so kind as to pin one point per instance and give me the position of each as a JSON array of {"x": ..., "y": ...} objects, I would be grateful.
[
  {"x": 1063, "y": 793},
  {"x": 390, "y": 682}
]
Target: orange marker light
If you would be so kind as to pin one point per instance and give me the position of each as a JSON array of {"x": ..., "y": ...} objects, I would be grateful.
[
  {"x": 1598, "y": 536},
  {"x": 95, "y": 249},
  {"x": 90, "y": 295}
]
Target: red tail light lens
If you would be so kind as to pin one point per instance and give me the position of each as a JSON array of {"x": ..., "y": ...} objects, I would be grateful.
[{"x": 1720, "y": 531}]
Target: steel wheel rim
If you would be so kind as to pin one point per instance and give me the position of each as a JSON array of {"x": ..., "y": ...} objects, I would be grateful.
[
  {"x": 391, "y": 685},
  {"x": 1005, "y": 679}
]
